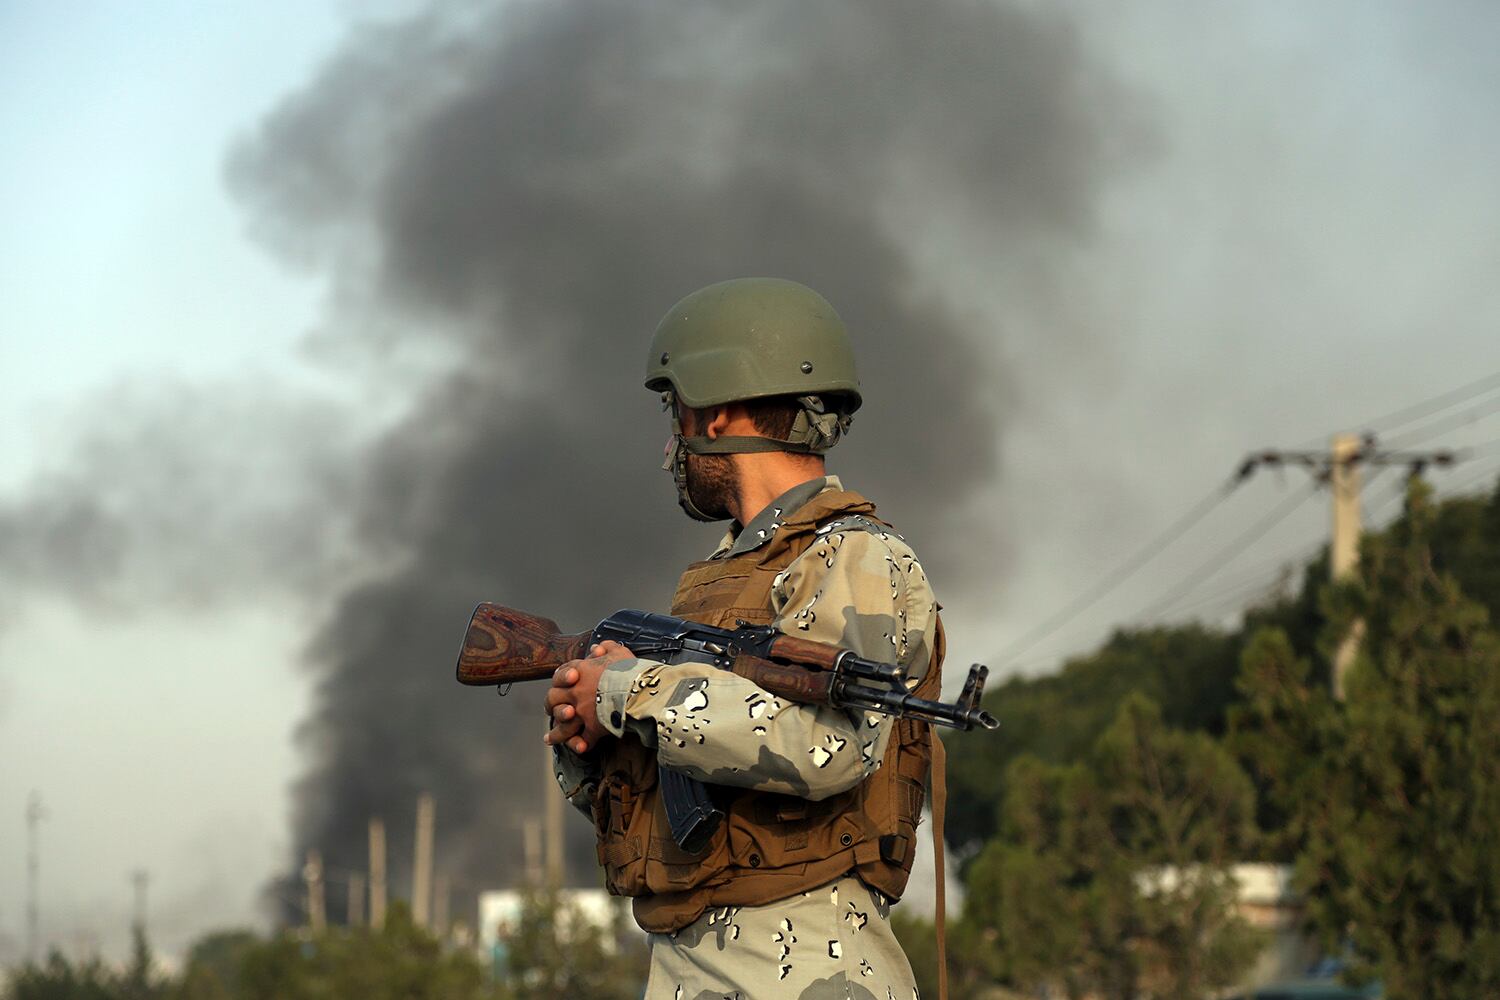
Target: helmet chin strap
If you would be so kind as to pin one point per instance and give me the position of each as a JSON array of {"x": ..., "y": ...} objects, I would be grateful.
[
  {"x": 815, "y": 430},
  {"x": 730, "y": 445},
  {"x": 676, "y": 464}
]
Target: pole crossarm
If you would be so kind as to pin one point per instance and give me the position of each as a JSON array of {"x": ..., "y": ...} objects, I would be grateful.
[
  {"x": 1339, "y": 468},
  {"x": 1321, "y": 462}
]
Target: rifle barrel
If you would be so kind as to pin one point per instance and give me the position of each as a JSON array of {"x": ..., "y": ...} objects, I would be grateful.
[{"x": 911, "y": 707}]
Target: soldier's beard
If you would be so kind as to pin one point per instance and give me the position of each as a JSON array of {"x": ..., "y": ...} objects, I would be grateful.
[{"x": 712, "y": 482}]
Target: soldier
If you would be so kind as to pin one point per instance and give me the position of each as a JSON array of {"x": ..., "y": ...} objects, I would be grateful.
[{"x": 791, "y": 898}]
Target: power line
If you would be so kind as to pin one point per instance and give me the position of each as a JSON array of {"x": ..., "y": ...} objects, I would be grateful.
[
  {"x": 1320, "y": 464},
  {"x": 1485, "y": 472},
  {"x": 1125, "y": 570},
  {"x": 1316, "y": 461},
  {"x": 1435, "y": 404},
  {"x": 1371, "y": 479},
  {"x": 1396, "y": 499},
  {"x": 1232, "y": 599},
  {"x": 1023, "y": 667},
  {"x": 1265, "y": 570},
  {"x": 1257, "y": 573},
  {"x": 1490, "y": 447},
  {"x": 1444, "y": 424},
  {"x": 1395, "y": 495},
  {"x": 1226, "y": 555},
  {"x": 1261, "y": 572}
]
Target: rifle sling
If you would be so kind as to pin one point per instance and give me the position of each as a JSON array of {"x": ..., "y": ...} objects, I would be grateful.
[{"x": 939, "y": 806}]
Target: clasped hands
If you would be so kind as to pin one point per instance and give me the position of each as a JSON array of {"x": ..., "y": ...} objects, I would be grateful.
[{"x": 572, "y": 700}]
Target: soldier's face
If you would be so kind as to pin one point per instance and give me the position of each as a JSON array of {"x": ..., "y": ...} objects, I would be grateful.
[{"x": 712, "y": 480}]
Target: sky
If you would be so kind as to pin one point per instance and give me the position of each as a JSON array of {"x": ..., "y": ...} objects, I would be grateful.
[
  {"x": 1253, "y": 225},
  {"x": 156, "y": 742}
]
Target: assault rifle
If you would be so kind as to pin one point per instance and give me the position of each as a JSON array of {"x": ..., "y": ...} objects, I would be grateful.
[{"x": 504, "y": 645}]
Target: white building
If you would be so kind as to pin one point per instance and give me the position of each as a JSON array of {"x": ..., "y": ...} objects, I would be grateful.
[{"x": 500, "y": 914}]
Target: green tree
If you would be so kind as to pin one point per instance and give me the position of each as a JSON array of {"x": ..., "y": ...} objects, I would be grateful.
[
  {"x": 971, "y": 957},
  {"x": 401, "y": 961},
  {"x": 1393, "y": 800},
  {"x": 1187, "y": 670},
  {"x": 140, "y": 980},
  {"x": 1281, "y": 732},
  {"x": 1111, "y": 875},
  {"x": 212, "y": 968},
  {"x": 91, "y": 979},
  {"x": 60, "y": 979},
  {"x": 1464, "y": 538},
  {"x": 555, "y": 951}
]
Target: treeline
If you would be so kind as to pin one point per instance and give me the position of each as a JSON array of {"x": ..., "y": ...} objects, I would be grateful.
[
  {"x": 552, "y": 952},
  {"x": 1100, "y": 822}
]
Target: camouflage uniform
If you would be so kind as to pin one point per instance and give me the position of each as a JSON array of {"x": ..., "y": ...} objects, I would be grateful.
[{"x": 860, "y": 586}]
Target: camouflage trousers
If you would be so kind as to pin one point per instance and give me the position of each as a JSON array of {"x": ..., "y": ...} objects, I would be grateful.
[{"x": 830, "y": 943}]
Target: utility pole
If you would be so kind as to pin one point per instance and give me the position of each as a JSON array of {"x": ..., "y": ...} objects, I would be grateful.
[
  {"x": 440, "y": 892},
  {"x": 377, "y": 873},
  {"x": 1339, "y": 467},
  {"x": 421, "y": 877},
  {"x": 354, "y": 914},
  {"x": 140, "y": 879},
  {"x": 553, "y": 810},
  {"x": 1344, "y": 480},
  {"x": 312, "y": 876},
  {"x": 35, "y": 813},
  {"x": 531, "y": 838},
  {"x": 1343, "y": 554}
]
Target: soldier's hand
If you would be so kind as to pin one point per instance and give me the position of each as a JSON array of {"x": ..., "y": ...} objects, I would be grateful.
[{"x": 572, "y": 703}]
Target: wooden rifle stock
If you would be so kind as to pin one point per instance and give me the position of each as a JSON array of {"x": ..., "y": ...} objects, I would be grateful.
[{"x": 504, "y": 645}]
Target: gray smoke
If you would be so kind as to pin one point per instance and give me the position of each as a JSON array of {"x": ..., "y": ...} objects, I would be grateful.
[
  {"x": 165, "y": 492},
  {"x": 523, "y": 192}
]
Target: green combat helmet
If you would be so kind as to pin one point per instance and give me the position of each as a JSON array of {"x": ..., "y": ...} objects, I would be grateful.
[{"x": 746, "y": 339}]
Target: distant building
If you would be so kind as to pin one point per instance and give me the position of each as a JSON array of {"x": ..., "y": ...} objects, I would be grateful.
[
  {"x": 500, "y": 915},
  {"x": 1267, "y": 901}
]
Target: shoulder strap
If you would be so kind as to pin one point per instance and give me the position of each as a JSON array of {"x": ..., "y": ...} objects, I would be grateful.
[
  {"x": 825, "y": 505},
  {"x": 939, "y": 806}
]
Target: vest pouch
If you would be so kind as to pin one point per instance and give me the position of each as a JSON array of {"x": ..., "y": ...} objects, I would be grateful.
[
  {"x": 670, "y": 869},
  {"x": 752, "y": 846},
  {"x": 622, "y": 845},
  {"x": 895, "y": 795},
  {"x": 900, "y": 848},
  {"x": 913, "y": 764},
  {"x": 783, "y": 832}
]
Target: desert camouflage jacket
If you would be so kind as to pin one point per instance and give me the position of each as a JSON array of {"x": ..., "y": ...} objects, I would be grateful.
[{"x": 859, "y": 586}]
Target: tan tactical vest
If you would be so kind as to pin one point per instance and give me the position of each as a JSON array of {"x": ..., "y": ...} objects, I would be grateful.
[{"x": 769, "y": 846}]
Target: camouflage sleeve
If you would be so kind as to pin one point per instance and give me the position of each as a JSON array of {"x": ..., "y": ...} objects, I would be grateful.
[
  {"x": 577, "y": 776},
  {"x": 856, "y": 588}
]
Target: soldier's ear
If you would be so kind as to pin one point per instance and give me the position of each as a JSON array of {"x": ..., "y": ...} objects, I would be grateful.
[{"x": 718, "y": 421}]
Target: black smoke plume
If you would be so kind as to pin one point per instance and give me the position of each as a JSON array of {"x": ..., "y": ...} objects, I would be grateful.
[
  {"x": 164, "y": 492},
  {"x": 520, "y": 193}
]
